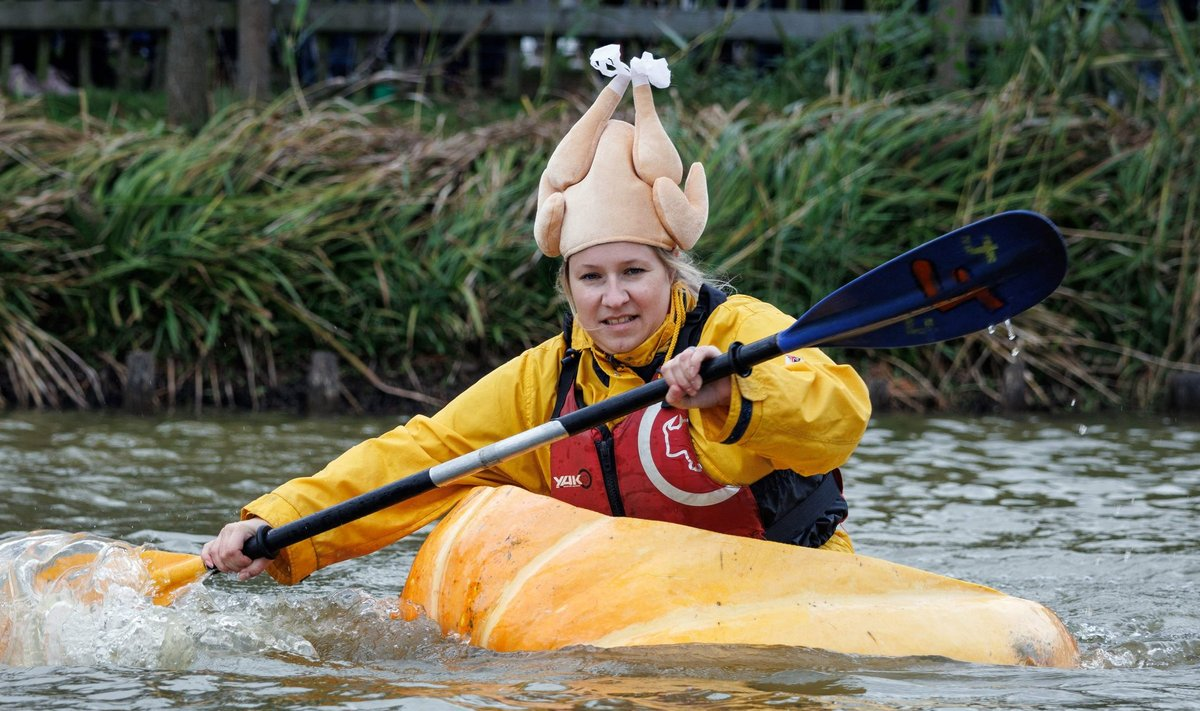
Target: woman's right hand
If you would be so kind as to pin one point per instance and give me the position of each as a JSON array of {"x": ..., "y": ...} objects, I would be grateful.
[
  {"x": 686, "y": 389},
  {"x": 224, "y": 553}
]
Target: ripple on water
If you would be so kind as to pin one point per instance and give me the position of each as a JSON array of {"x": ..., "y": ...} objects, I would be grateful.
[
  {"x": 190, "y": 428},
  {"x": 1099, "y": 525}
]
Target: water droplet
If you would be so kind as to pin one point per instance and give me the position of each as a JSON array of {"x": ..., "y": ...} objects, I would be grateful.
[
  {"x": 1083, "y": 429},
  {"x": 1072, "y": 402}
]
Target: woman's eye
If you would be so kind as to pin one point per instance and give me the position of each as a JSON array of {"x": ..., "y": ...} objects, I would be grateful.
[{"x": 633, "y": 271}]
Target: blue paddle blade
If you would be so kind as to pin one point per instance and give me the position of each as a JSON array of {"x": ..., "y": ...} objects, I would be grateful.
[{"x": 976, "y": 276}]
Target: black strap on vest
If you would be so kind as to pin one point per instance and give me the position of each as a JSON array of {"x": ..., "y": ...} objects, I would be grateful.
[{"x": 569, "y": 366}]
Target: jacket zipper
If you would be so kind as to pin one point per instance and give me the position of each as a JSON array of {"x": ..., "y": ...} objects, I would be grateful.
[{"x": 608, "y": 468}]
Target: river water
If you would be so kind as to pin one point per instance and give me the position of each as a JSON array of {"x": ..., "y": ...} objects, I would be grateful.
[{"x": 1097, "y": 517}]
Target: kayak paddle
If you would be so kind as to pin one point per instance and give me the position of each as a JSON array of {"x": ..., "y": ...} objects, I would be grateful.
[{"x": 964, "y": 281}]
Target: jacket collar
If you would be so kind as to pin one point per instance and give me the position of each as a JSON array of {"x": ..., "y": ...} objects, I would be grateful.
[{"x": 660, "y": 341}]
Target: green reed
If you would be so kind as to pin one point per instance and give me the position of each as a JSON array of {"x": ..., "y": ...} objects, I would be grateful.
[{"x": 405, "y": 246}]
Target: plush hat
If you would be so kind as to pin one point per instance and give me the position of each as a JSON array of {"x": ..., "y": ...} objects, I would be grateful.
[{"x": 610, "y": 181}]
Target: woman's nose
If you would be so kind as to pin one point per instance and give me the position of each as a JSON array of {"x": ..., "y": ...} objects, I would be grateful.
[{"x": 615, "y": 294}]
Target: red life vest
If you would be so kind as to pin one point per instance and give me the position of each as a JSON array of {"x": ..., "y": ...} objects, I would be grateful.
[
  {"x": 647, "y": 466},
  {"x": 650, "y": 460}
]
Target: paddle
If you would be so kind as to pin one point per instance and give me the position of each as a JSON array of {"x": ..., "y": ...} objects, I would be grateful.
[{"x": 964, "y": 281}]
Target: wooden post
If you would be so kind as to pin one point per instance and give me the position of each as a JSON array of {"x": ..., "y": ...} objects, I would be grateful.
[
  {"x": 139, "y": 396},
  {"x": 188, "y": 55},
  {"x": 6, "y": 59},
  {"x": 322, "y": 67},
  {"x": 880, "y": 393},
  {"x": 951, "y": 24},
  {"x": 324, "y": 384},
  {"x": 400, "y": 49},
  {"x": 1015, "y": 389},
  {"x": 124, "y": 62},
  {"x": 1183, "y": 393},
  {"x": 474, "y": 66},
  {"x": 156, "y": 76},
  {"x": 512, "y": 68},
  {"x": 254, "y": 49},
  {"x": 879, "y": 387},
  {"x": 42, "y": 70},
  {"x": 85, "y": 60},
  {"x": 549, "y": 55},
  {"x": 438, "y": 80}
]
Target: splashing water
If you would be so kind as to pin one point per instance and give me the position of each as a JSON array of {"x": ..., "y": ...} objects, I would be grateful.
[
  {"x": 73, "y": 599},
  {"x": 1012, "y": 335},
  {"x": 78, "y": 599}
]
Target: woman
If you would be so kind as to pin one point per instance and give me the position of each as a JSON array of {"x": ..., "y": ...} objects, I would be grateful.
[{"x": 753, "y": 455}]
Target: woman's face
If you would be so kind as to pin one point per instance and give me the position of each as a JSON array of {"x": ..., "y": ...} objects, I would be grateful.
[{"x": 622, "y": 293}]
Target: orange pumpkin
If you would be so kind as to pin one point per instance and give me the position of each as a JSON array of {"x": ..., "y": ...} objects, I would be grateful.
[{"x": 510, "y": 570}]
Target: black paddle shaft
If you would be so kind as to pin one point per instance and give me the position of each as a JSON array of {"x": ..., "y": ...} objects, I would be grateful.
[
  {"x": 267, "y": 541},
  {"x": 961, "y": 282}
]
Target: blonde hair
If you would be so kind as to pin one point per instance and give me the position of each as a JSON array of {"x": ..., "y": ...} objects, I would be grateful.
[{"x": 684, "y": 270}]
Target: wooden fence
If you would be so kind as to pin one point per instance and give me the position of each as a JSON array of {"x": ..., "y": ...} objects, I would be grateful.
[{"x": 122, "y": 43}]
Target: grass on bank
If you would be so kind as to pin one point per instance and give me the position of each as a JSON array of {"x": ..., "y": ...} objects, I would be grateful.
[{"x": 404, "y": 245}]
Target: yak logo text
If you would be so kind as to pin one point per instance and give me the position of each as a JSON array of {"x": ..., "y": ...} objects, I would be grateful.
[{"x": 581, "y": 480}]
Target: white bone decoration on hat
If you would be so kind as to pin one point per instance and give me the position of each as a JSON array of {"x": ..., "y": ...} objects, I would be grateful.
[{"x": 610, "y": 181}]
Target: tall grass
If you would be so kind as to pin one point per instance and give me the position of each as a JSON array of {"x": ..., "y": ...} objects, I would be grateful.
[
  {"x": 270, "y": 233},
  {"x": 234, "y": 252}
]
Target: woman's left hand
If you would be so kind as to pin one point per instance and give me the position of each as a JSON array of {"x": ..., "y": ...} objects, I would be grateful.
[{"x": 686, "y": 389}]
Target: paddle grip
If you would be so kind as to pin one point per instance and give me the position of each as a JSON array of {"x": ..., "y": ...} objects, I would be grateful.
[
  {"x": 740, "y": 359},
  {"x": 258, "y": 546}
]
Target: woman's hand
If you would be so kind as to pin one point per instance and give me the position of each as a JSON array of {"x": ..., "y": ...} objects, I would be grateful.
[
  {"x": 686, "y": 388},
  {"x": 224, "y": 553}
]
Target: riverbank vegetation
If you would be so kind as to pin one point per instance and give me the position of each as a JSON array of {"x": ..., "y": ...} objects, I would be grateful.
[{"x": 396, "y": 232}]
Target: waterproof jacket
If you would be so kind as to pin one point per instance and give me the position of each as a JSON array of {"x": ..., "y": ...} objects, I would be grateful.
[{"x": 799, "y": 411}]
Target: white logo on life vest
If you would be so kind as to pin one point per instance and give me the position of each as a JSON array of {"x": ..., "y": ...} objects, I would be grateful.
[
  {"x": 581, "y": 480},
  {"x": 672, "y": 425},
  {"x": 669, "y": 490}
]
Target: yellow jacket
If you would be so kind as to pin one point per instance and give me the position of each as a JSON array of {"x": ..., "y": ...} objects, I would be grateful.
[{"x": 800, "y": 411}]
